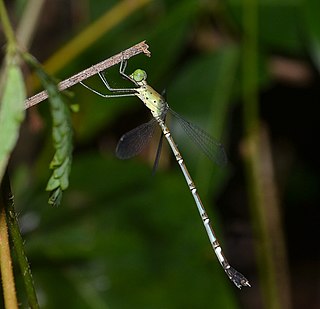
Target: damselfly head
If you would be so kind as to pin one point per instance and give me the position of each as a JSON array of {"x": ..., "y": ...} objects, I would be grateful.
[{"x": 139, "y": 75}]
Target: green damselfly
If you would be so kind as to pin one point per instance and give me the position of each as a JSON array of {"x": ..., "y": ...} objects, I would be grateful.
[{"x": 134, "y": 141}]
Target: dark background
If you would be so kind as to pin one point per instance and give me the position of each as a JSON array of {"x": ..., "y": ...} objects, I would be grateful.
[{"x": 123, "y": 238}]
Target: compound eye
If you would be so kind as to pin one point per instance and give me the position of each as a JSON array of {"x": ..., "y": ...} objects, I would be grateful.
[{"x": 139, "y": 75}]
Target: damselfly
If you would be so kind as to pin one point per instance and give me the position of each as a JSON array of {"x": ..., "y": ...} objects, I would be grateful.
[{"x": 134, "y": 141}]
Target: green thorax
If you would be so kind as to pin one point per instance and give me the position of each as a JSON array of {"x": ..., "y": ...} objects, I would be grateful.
[{"x": 151, "y": 98}]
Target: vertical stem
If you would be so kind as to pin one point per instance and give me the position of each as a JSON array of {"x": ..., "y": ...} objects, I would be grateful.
[
  {"x": 250, "y": 63},
  {"x": 10, "y": 41},
  {"x": 7, "y": 278},
  {"x": 29, "y": 22},
  {"x": 272, "y": 215},
  {"x": 7, "y": 29},
  {"x": 253, "y": 159},
  {"x": 14, "y": 231}
]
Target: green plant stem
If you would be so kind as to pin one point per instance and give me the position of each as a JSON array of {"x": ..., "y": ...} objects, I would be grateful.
[
  {"x": 9, "y": 291},
  {"x": 253, "y": 158},
  {"x": 29, "y": 22},
  {"x": 7, "y": 29},
  {"x": 11, "y": 219},
  {"x": 10, "y": 40},
  {"x": 7, "y": 278}
]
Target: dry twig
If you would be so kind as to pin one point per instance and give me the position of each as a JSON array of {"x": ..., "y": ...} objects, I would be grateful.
[{"x": 142, "y": 47}]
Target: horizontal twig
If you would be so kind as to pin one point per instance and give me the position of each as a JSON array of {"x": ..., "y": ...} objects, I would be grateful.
[{"x": 139, "y": 48}]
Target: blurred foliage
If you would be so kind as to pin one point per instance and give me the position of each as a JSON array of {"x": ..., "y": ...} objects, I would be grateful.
[
  {"x": 11, "y": 110},
  {"x": 125, "y": 239}
]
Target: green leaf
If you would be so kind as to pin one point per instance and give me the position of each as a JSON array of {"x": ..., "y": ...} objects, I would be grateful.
[
  {"x": 61, "y": 134},
  {"x": 11, "y": 112},
  {"x": 62, "y": 140},
  {"x": 53, "y": 183}
]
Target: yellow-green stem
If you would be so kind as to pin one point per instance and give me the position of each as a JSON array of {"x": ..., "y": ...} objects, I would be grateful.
[
  {"x": 7, "y": 278},
  {"x": 10, "y": 42},
  {"x": 18, "y": 242},
  {"x": 7, "y": 29},
  {"x": 28, "y": 22}
]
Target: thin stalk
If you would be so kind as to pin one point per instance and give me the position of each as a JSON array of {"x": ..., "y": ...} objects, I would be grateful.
[
  {"x": 29, "y": 22},
  {"x": 7, "y": 29},
  {"x": 8, "y": 217},
  {"x": 272, "y": 214},
  {"x": 10, "y": 41},
  {"x": 254, "y": 164},
  {"x": 14, "y": 230},
  {"x": 7, "y": 278}
]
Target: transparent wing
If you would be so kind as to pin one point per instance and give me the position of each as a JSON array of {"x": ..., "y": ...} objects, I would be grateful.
[
  {"x": 133, "y": 142},
  {"x": 210, "y": 147},
  {"x": 158, "y": 154},
  {"x": 159, "y": 149}
]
